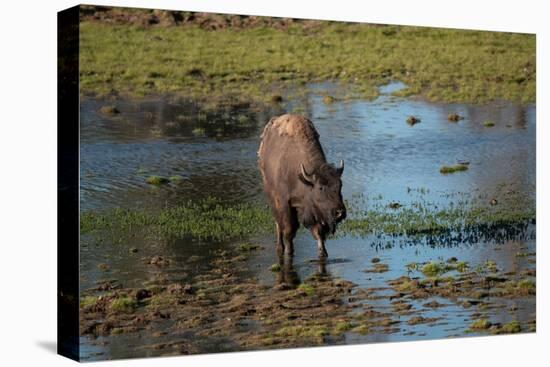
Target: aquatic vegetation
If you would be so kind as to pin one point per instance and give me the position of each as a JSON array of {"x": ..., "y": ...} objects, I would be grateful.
[
  {"x": 520, "y": 287},
  {"x": 510, "y": 328},
  {"x": 303, "y": 331},
  {"x": 489, "y": 266},
  {"x": 88, "y": 301},
  {"x": 377, "y": 268},
  {"x": 455, "y": 65},
  {"x": 307, "y": 289},
  {"x": 247, "y": 247},
  {"x": 328, "y": 99},
  {"x": 343, "y": 326},
  {"x": 156, "y": 180},
  {"x": 480, "y": 324},
  {"x": 415, "y": 320},
  {"x": 210, "y": 219},
  {"x": 488, "y": 123},
  {"x": 198, "y": 131},
  {"x": 202, "y": 220},
  {"x": 452, "y": 169},
  {"x": 175, "y": 178},
  {"x": 123, "y": 304},
  {"x": 434, "y": 269},
  {"x": 275, "y": 268}
]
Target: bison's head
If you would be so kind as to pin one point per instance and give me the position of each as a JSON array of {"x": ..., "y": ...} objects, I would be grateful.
[{"x": 323, "y": 202}]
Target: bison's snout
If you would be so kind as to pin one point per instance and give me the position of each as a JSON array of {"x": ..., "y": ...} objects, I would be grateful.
[{"x": 340, "y": 214}]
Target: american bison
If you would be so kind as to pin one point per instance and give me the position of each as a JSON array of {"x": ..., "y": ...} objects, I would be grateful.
[{"x": 300, "y": 185}]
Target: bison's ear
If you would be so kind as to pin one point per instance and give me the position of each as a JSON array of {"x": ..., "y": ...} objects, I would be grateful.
[
  {"x": 305, "y": 177},
  {"x": 340, "y": 169}
]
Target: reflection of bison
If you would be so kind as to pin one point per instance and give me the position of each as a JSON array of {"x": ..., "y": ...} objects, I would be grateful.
[{"x": 299, "y": 183}]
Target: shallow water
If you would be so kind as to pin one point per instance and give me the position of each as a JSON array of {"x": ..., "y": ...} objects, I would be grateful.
[{"x": 215, "y": 155}]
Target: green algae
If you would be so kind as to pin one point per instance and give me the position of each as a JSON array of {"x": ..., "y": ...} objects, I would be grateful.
[{"x": 452, "y": 169}]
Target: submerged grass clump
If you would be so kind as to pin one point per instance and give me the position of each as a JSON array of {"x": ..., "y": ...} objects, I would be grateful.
[
  {"x": 481, "y": 324},
  {"x": 434, "y": 269},
  {"x": 275, "y": 268},
  {"x": 510, "y": 328},
  {"x": 156, "y": 180},
  {"x": 307, "y": 289},
  {"x": 454, "y": 65},
  {"x": 452, "y": 169},
  {"x": 303, "y": 331},
  {"x": 124, "y": 304}
]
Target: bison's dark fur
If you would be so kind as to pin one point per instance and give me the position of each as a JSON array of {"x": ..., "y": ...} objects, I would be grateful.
[{"x": 300, "y": 185}]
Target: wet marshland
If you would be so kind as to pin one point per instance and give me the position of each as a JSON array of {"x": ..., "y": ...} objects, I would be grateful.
[{"x": 145, "y": 294}]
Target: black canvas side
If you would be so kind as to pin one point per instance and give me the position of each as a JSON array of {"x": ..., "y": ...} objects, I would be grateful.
[{"x": 68, "y": 182}]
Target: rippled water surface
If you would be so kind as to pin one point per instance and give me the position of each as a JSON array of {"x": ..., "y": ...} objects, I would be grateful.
[{"x": 214, "y": 154}]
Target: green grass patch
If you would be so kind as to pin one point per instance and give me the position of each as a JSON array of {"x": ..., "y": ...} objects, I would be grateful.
[{"x": 453, "y": 66}]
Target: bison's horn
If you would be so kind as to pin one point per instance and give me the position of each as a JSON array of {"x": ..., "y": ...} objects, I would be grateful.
[
  {"x": 341, "y": 168},
  {"x": 306, "y": 177}
]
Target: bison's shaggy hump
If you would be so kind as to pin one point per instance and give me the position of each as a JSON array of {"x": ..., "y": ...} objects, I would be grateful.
[{"x": 294, "y": 126}]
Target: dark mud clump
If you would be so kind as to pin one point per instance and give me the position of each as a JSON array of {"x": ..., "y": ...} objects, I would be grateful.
[
  {"x": 109, "y": 110},
  {"x": 453, "y": 117},
  {"x": 412, "y": 120}
]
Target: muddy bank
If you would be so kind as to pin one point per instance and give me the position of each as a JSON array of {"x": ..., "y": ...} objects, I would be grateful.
[{"x": 225, "y": 305}]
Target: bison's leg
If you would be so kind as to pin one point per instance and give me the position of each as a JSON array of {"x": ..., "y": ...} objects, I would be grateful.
[
  {"x": 319, "y": 235},
  {"x": 289, "y": 226},
  {"x": 280, "y": 244}
]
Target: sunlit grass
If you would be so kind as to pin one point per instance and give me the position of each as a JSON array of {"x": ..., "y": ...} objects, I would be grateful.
[{"x": 258, "y": 63}]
